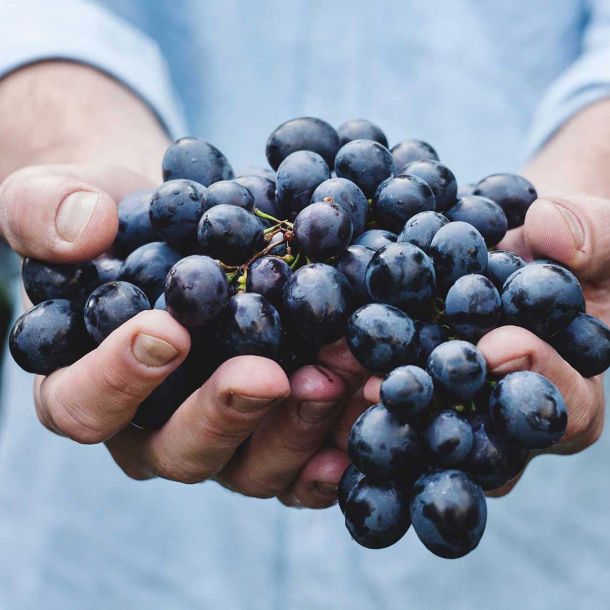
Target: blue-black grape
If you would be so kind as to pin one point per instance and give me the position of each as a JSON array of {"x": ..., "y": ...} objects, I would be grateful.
[
  {"x": 438, "y": 177},
  {"x": 229, "y": 192},
  {"x": 135, "y": 228},
  {"x": 304, "y": 133},
  {"x": 365, "y": 162},
  {"x": 267, "y": 276},
  {"x": 402, "y": 275},
  {"x": 399, "y": 198},
  {"x": 384, "y": 446},
  {"x": 108, "y": 268},
  {"x": 585, "y": 344},
  {"x": 528, "y": 409},
  {"x": 421, "y": 229},
  {"x": 297, "y": 178},
  {"x": 381, "y": 337},
  {"x": 513, "y": 193},
  {"x": 449, "y": 438},
  {"x": 263, "y": 191},
  {"x": 428, "y": 335},
  {"x": 111, "y": 305},
  {"x": 349, "y": 479},
  {"x": 175, "y": 209},
  {"x": 347, "y": 195},
  {"x": 148, "y": 266},
  {"x": 230, "y": 234},
  {"x": 353, "y": 263},
  {"x": 322, "y": 230},
  {"x": 473, "y": 307},
  {"x": 318, "y": 301},
  {"x": 458, "y": 370},
  {"x": 196, "y": 291},
  {"x": 373, "y": 239},
  {"x": 457, "y": 249},
  {"x": 49, "y": 336},
  {"x": 406, "y": 391},
  {"x": 543, "y": 298},
  {"x": 44, "y": 281},
  {"x": 255, "y": 170},
  {"x": 483, "y": 214},
  {"x": 195, "y": 159},
  {"x": 376, "y": 514},
  {"x": 502, "y": 264},
  {"x": 449, "y": 513},
  {"x": 413, "y": 150},
  {"x": 360, "y": 129}
]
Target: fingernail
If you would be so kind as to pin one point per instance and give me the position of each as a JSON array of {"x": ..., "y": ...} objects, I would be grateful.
[
  {"x": 249, "y": 404},
  {"x": 326, "y": 489},
  {"x": 153, "y": 351},
  {"x": 74, "y": 214},
  {"x": 518, "y": 364},
  {"x": 573, "y": 223},
  {"x": 315, "y": 412}
]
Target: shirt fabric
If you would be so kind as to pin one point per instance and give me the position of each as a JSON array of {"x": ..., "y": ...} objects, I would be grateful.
[{"x": 487, "y": 83}]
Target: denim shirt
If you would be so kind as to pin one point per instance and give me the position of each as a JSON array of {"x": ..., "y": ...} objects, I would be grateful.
[{"x": 487, "y": 82}]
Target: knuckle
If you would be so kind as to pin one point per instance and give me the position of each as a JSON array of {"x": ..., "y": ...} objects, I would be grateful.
[
  {"x": 246, "y": 485},
  {"x": 121, "y": 386},
  {"x": 180, "y": 471},
  {"x": 77, "y": 429}
]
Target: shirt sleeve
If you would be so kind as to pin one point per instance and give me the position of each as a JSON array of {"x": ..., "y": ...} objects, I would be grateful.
[
  {"x": 81, "y": 31},
  {"x": 586, "y": 81}
]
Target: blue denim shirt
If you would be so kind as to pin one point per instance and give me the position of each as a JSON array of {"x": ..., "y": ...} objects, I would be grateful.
[{"x": 486, "y": 82}]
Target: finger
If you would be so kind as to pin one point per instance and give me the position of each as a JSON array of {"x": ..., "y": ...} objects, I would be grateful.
[
  {"x": 316, "y": 486},
  {"x": 63, "y": 213},
  {"x": 289, "y": 436},
  {"x": 372, "y": 390},
  {"x": 514, "y": 241},
  {"x": 98, "y": 395},
  {"x": 203, "y": 434},
  {"x": 338, "y": 358},
  {"x": 510, "y": 348},
  {"x": 356, "y": 405}
]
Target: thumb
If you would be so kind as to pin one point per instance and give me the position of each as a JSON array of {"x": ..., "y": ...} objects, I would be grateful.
[{"x": 572, "y": 231}]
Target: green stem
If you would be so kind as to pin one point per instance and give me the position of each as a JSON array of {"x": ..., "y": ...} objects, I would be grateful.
[{"x": 295, "y": 262}]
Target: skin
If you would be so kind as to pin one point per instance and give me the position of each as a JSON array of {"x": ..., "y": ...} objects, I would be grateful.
[{"x": 94, "y": 136}]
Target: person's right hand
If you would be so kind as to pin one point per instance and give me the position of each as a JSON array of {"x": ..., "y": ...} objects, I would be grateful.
[{"x": 248, "y": 426}]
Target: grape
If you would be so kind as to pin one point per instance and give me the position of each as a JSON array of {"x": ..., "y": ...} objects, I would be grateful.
[
  {"x": 457, "y": 249},
  {"x": 397, "y": 199},
  {"x": 373, "y": 239},
  {"x": 148, "y": 266},
  {"x": 360, "y": 129},
  {"x": 493, "y": 460},
  {"x": 267, "y": 276},
  {"x": 513, "y": 193},
  {"x": 406, "y": 391},
  {"x": 528, "y": 409},
  {"x": 44, "y": 281},
  {"x": 263, "y": 191},
  {"x": 473, "y": 307},
  {"x": 108, "y": 268},
  {"x": 111, "y": 305},
  {"x": 449, "y": 438},
  {"x": 383, "y": 446},
  {"x": 49, "y": 336},
  {"x": 353, "y": 263},
  {"x": 502, "y": 264},
  {"x": 402, "y": 275},
  {"x": 175, "y": 209},
  {"x": 428, "y": 335},
  {"x": 366, "y": 163},
  {"x": 376, "y": 514},
  {"x": 346, "y": 195},
  {"x": 322, "y": 230},
  {"x": 249, "y": 325},
  {"x": 381, "y": 337},
  {"x": 196, "y": 291},
  {"x": 585, "y": 344},
  {"x": 229, "y": 192},
  {"x": 420, "y": 229},
  {"x": 135, "y": 228},
  {"x": 484, "y": 214},
  {"x": 448, "y": 512},
  {"x": 458, "y": 370},
  {"x": 259, "y": 172},
  {"x": 543, "y": 298},
  {"x": 438, "y": 177},
  {"x": 230, "y": 233},
  {"x": 305, "y": 133},
  {"x": 413, "y": 150},
  {"x": 350, "y": 478},
  {"x": 297, "y": 178},
  {"x": 317, "y": 303},
  {"x": 197, "y": 160}
]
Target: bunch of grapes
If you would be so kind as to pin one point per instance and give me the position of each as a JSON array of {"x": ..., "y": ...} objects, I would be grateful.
[{"x": 343, "y": 237}]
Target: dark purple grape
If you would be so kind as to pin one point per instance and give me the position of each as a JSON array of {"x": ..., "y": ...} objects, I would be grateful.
[
  {"x": 360, "y": 129},
  {"x": 135, "y": 228},
  {"x": 406, "y": 391},
  {"x": 230, "y": 234},
  {"x": 350, "y": 478},
  {"x": 438, "y": 177},
  {"x": 428, "y": 335},
  {"x": 501, "y": 264},
  {"x": 110, "y": 306},
  {"x": 373, "y": 239},
  {"x": 229, "y": 192},
  {"x": 348, "y": 196},
  {"x": 253, "y": 170},
  {"x": 267, "y": 276},
  {"x": 449, "y": 438},
  {"x": 413, "y": 150},
  {"x": 353, "y": 263},
  {"x": 263, "y": 191},
  {"x": 108, "y": 268},
  {"x": 195, "y": 159},
  {"x": 483, "y": 214},
  {"x": 421, "y": 229}
]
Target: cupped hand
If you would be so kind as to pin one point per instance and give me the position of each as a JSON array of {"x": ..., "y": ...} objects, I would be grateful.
[{"x": 249, "y": 427}]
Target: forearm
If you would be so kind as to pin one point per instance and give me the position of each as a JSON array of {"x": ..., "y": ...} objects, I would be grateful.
[
  {"x": 62, "y": 112},
  {"x": 577, "y": 159}
]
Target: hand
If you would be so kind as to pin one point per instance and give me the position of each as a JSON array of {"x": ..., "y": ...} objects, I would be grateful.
[{"x": 249, "y": 426}]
